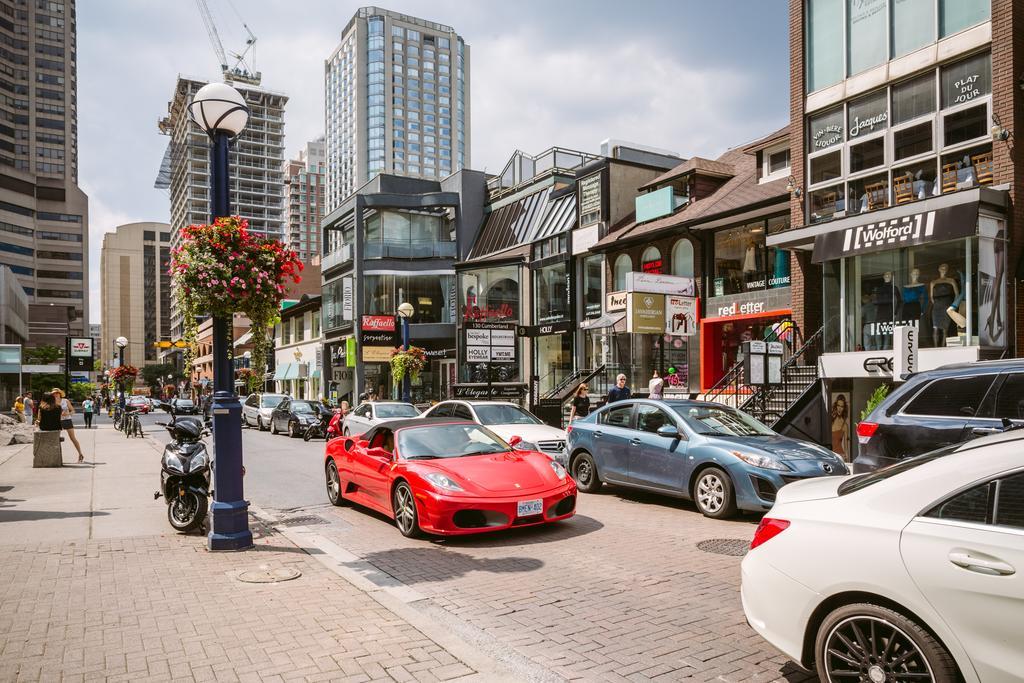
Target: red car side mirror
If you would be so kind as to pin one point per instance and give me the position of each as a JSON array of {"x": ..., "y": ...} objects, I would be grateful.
[{"x": 515, "y": 441}]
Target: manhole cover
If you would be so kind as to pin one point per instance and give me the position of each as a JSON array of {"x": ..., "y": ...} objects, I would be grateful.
[
  {"x": 303, "y": 520},
  {"x": 736, "y": 547},
  {"x": 267, "y": 575}
]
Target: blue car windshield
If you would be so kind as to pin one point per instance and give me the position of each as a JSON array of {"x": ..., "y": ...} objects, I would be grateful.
[{"x": 713, "y": 420}]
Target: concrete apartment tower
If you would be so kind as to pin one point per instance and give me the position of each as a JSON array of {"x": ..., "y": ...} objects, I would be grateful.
[
  {"x": 135, "y": 291},
  {"x": 44, "y": 216},
  {"x": 304, "y": 179},
  {"x": 257, "y": 179},
  {"x": 397, "y": 101}
]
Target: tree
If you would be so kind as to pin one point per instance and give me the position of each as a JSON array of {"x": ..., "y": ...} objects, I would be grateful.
[
  {"x": 44, "y": 382},
  {"x": 81, "y": 390},
  {"x": 44, "y": 355},
  {"x": 97, "y": 365},
  {"x": 153, "y": 375}
]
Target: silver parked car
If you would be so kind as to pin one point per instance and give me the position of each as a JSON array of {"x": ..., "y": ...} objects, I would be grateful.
[
  {"x": 370, "y": 413},
  {"x": 257, "y": 408}
]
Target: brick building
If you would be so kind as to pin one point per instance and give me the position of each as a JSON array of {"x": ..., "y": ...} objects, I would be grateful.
[{"x": 904, "y": 187}]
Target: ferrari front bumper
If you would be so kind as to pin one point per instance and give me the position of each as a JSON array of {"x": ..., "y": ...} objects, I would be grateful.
[{"x": 457, "y": 515}]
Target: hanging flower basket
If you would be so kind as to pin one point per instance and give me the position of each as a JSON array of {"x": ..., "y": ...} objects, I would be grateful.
[
  {"x": 125, "y": 375},
  {"x": 410, "y": 361},
  {"x": 221, "y": 269}
]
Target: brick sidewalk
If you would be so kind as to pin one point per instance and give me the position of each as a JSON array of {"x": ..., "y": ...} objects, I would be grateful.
[{"x": 163, "y": 608}]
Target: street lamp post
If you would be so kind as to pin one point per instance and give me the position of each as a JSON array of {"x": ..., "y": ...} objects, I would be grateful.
[
  {"x": 405, "y": 312},
  {"x": 120, "y": 343},
  {"x": 221, "y": 112}
]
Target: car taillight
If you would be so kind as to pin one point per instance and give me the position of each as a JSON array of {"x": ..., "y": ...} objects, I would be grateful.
[
  {"x": 865, "y": 430},
  {"x": 767, "y": 530}
]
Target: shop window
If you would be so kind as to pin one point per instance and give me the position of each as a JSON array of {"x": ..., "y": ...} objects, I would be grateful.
[
  {"x": 966, "y": 168},
  {"x": 957, "y": 15},
  {"x": 867, "y": 155},
  {"x": 913, "y": 25},
  {"x": 964, "y": 125},
  {"x": 912, "y": 141},
  {"x": 916, "y": 181},
  {"x": 430, "y": 295},
  {"x": 490, "y": 294},
  {"x": 826, "y": 201},
  {"x": 866, "y": 34},
  {"x": 824, "y": 43},
  {"x": 966, "y": 80},
  {"x": 743, "y": 263},
  {"x": 869, "y": 194},
  {"x": 551, "y": 295},
  {"x": 593, "y": 291},
  {"x": 682, "y": 258},
  {"x": 913, "y": 99},
  {"x": 826, "y": 167},
  {"x": 554, "y": 354},
  {"x": 623, "y": 265},
  {"x": 650, "y": 261},
  {"x": 826, "y": 130}
]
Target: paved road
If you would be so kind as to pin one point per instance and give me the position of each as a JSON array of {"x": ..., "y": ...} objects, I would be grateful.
[{"x": 620, "y": 592}]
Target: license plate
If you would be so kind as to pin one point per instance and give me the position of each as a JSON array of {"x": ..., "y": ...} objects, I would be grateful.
[{"x": 527, "y": 508}]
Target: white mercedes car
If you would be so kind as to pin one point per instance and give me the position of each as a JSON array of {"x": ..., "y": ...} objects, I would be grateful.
[
  {"x": 372, "y": 413},
  {"x": 508, "y": 420},
  {"x": 914, "y": 572}
]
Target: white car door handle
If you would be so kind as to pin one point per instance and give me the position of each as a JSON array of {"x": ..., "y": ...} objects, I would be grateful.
[{"x": 980, "y": 564}]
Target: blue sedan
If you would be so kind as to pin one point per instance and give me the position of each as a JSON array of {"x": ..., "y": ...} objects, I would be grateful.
[{"x": 719, "y": 457}]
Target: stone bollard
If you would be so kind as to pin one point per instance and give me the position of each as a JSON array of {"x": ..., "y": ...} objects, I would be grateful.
[{"x": 46, "y": 450}]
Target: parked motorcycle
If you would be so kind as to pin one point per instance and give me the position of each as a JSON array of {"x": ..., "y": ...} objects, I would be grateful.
[
  {"x": 185, "y": 473},
  {"x": 334, "y": 427},
  {"x": 318, "y": 429}
]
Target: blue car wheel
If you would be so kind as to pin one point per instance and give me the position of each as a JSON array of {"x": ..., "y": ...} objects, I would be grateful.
[
  {"x": 713, "y": 493},
  {"x": 584, "y": 473}
]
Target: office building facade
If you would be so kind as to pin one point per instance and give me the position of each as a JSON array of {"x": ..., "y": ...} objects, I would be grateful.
[
  {"x": 396, "y": 102},
  {"x": 44, "y": 216},
  {"x": 135, "y": 291},
  {"x": 256, "y": 158},
  {"x": 305, "y": 196}
]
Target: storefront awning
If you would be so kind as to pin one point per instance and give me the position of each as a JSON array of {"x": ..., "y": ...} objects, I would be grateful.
[
  {"x": 316, "y": 374},
  {"x": 937, "y": 225},
  {"x": 606, "y": 320},
  {"x": 244, "y": 339},
  {"x": 286, "y": 371}
]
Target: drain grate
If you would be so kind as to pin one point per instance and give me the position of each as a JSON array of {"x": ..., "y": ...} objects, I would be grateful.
[
  {"x": 735, "y": 547},
  {"x": 303, "y": 520}
]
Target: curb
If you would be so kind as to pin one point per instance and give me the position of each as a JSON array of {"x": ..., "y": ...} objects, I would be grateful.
[{"x": 393, "y": 595}]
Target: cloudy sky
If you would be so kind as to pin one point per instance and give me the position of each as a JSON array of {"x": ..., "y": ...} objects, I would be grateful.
[{"x": 692, "y": 76}]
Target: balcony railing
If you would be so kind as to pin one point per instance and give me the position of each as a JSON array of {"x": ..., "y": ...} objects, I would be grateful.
[
  {"x": 412, "y": 249},
  {"x": 336, "y": 258}
]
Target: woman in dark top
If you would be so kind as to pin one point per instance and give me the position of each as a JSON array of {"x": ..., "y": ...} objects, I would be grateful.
[
  {"x": 48, "y": 414},
  {"x": 580, "y": 403}
]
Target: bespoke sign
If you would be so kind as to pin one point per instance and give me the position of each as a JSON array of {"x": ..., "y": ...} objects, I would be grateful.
[
  {"x": 656, "y": 283},
  {"x": 484, "y": 345},
  {"x": 378, "y": 323},
  {"x": 645, "y": 313},
  {"x": 615, "y": 301},
  {"x": 939, "y": 225}
]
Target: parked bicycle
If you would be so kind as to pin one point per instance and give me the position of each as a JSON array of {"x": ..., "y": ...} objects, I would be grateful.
[{"x": 132, "y": 425}]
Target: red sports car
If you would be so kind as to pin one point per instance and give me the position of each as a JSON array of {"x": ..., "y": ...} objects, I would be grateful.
[{"x": 447, "y": 477}]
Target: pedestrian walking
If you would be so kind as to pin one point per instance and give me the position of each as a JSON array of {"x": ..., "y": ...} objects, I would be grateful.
[
  {"x": 97, "y": 405},
  {"x": 656, "y": 387},
  {"x": 30, "y": 407},
  {"x": 66, "y": 411},
  {"x": 620, "y": 392},
  {"x": 87, "y": 412},
  {"x": 19, "y": 408},
  {"x": 580, "y": 403}
]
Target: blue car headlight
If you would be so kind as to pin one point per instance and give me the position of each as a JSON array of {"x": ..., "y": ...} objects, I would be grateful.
[{"x": 762, "y": 461}]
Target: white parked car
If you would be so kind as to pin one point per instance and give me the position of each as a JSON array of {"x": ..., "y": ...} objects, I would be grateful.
[
  {"x": 370, "y": 413},
  {"x": 507, "y": 420},
  {"x": 914, "y": 572},
  {"x": 256, "y": 409}
]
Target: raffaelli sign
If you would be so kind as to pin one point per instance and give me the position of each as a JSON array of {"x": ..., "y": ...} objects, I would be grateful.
[{"x": 378, "y": 323}]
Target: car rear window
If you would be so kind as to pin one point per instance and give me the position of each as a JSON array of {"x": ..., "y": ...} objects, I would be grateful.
[
  {"x": 951, "y": 397},
  {"x": 865, "y": 480}
]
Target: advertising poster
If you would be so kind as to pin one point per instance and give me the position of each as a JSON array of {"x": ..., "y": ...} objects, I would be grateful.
[
  {"x": 646, "y": 313},
  {"x": 680, "y": 316},
  {"x": 839, "y": 423}
]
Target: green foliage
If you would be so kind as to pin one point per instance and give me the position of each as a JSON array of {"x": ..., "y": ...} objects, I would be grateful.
[
  {"x": 877, "y": 396},
  {"x": 44, "y": 382},
  {"x": 80, "y": 390},
  {"x": 97, "y": 365},
  {"x": 43, "y": 355},
  {"x": 153, "y": 375}
]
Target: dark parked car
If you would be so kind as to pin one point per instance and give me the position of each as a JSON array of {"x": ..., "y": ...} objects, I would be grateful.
[
  {"x": 717, "y": 456},
  {"x": 183, "y": 406},
  {"x": 292, "y": 416},
  {"x": 938, "y": 407}
]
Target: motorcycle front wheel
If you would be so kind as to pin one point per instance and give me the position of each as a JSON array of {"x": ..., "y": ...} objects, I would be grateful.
[{"x": 186, "y": 513}]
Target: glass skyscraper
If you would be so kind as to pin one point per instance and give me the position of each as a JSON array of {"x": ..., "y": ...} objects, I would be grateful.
[{"x": 397, "y": 101}]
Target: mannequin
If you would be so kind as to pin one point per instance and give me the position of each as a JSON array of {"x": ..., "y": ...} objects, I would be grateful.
[
  {"x": 943, "y": 291},
  {"x": 915, "y": 298},
  {"x": 750, "y": 259},
  {"x": 887, "y": 299},
  {"x": 954, "y": 308}
]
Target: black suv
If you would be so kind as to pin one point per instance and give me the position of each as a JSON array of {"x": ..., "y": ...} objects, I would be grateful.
[{"x": 947, "y": 405}]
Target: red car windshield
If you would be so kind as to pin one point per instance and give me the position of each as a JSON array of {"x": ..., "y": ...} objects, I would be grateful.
[{"x": 448, "y": 441}]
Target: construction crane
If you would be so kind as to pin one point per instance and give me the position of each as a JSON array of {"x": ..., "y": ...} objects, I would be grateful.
[{"x": 240, "y": 71}]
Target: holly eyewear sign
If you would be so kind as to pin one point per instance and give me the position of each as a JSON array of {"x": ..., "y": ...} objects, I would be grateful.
[
  {"x": 378, "y": 323},
  {"x": 939, "y": 225}
]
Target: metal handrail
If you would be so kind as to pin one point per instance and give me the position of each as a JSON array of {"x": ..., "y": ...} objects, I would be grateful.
[
  {"x": 758, "y": 402},
  {"x": 578, "y": 377},
  {"x": 734, "y": 376}
]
